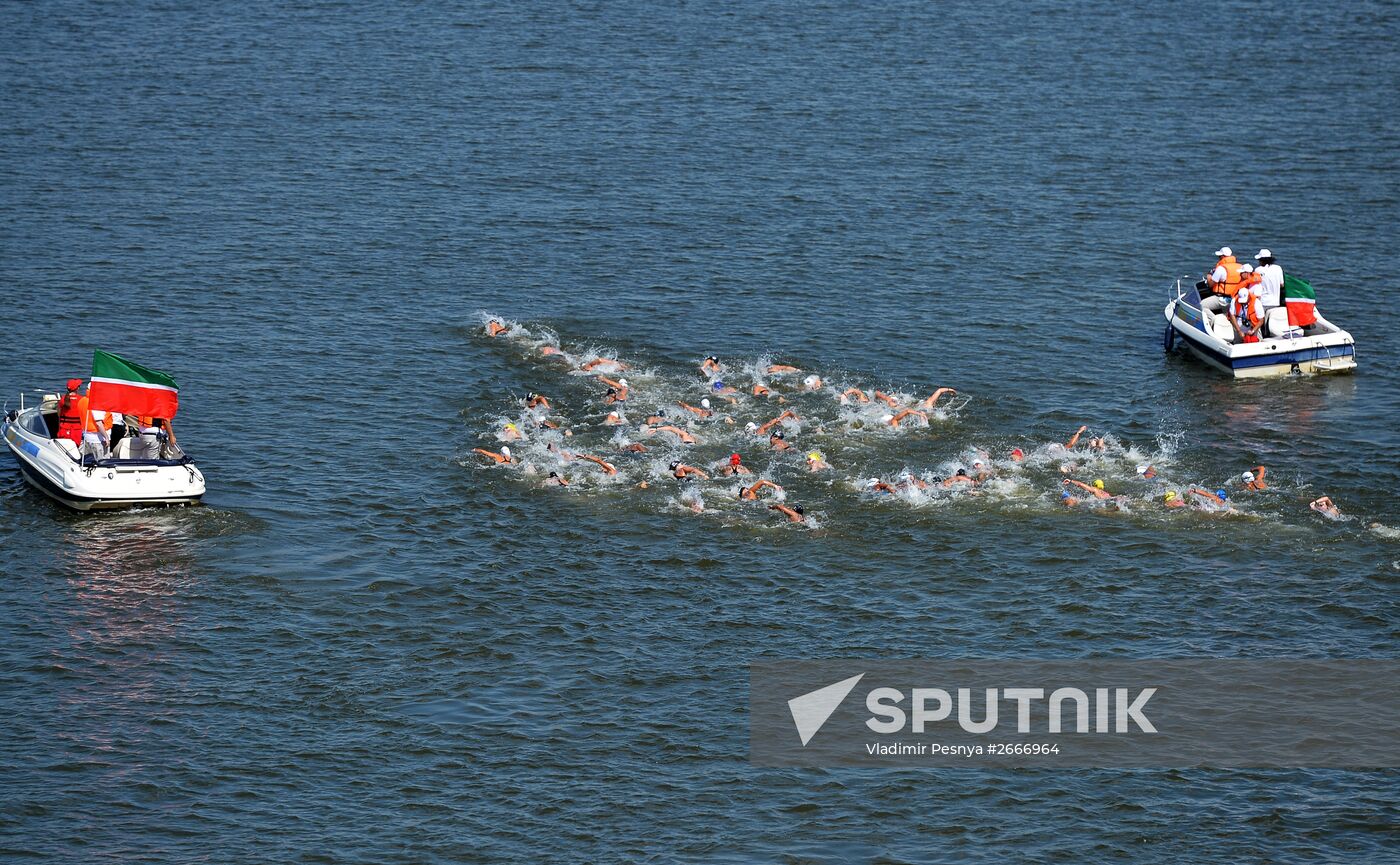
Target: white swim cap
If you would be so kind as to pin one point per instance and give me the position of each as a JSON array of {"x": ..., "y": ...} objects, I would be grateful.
[
  {"x": 705, "y": 403},
  {"x": 505, "y": 451},
  {"x": 622, "y": 381},
  {"x": 872, "y": 482},
  {"x": 887, "y": 418},
  {"x": 977, "y": 462},
  {"x": 1247, "y": 477},
  {"x": 750, "y": 426},
  {"x": 1142, "y": 470},
  {"x": 810, "y": 380}
]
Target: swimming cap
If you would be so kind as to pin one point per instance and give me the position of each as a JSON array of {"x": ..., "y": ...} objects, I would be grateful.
[
  {"x": 872, "y": 482},
  {"x": 777, "y": 434},
  {"x": 750, "y": 426},
  {"x": 960, "y": 471},
  {"x": 612, "y": 391},
  {"x": 554, "y": 474},
  {"x": 1171, "y": 494},
  {"x": 510, "y": 426},
  {"x": 505, "y": 452},
  {"x": 713, "y": 358},
  {"x": 1017, "y": 452},
  {"x": 705, "y": 403},
  {"x": 1064, "y": 494},
  {"x": 814, "y": 455},
  {"x": 1098, "y": 485},
  {"x": 798, "y": 508},
  {"x": 622, "y": 381},
  {"x": 1142, "y": 470},
  {"x": 718, "y": 385},
  {"x": 672, "y": 466},
  {"x": 734, "y": 459},
  {"x": 976, "y": 463},
  {"x": 810, "y": 380},
  {"x": 1221, "y": 493},
  {"x": 1247, "y": 477},
  {"x": 887, "y": 418}
]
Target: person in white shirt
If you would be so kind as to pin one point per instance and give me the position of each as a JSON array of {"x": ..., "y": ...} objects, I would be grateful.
[{"x": 1270, "y": 280}]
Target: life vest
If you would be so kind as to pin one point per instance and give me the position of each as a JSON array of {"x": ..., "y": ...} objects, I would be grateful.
[
  {"x": 91, "y": 423},
  {"x": 70, "y": 417},
  {"x": 1232, "y": 275},
  {"x": 1248, "y": 314}
]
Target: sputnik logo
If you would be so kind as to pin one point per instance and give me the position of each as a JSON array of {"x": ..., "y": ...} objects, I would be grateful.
[{"x": 810, "y": 711}]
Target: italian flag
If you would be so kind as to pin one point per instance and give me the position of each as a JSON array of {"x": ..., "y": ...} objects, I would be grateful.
[
  {"x": 130, "y": 388},
  {"x": 1301, "y": 300}
]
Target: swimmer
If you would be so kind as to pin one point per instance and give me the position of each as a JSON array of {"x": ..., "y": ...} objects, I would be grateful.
[
  {"x": 932, "y": 398},
  {"x": 696, "y": 504},
  {"x": 787, "y": 415},
  {"x": 853, "y": 391},
  {"x": 677, "y": 431},
  {"x": 603, "y": 361},
  {"x": 702, "y": 411},
  {"x": 1218, "y": 497},
  {"x": 711, "y": 364},
  {"x": 607, "y": 467},
  {"x": 816, "y": 462},
  {"x": 681, "y": 471},
  {"x": 1254, "y": 480},
  {"x": 495, "y": 328},
  {"x": 1068, "y": 500},
  {"x": 1097, "y": 444},
  {"x": 1097, "y": 490},
  {"x": 551, "y": 351},
  {"x": 614, "y": 419},
  {"x": 908, "y": 481},
  {"x": 547, "y": 424},
  {"x": 894, "y": 420},
  {"x": 617, "y": 390},
  {"x": 633, "y": 448},
  {"x": 534, "y": 400},
  {"x": 750, "y": 493},
  {"x": 1146, "y": 472},
  {"x": 502, "y": 457},
  {"x": 722, "y": 389},
  {"x": 564, "y": 455},
  {"x": 979, "y": 470},
  {"x": 1017, "y": 455},
  {"x": 795, "y": 514},
  {"x": 886, "y": 399},
  {"x": 777, "y": 441},
  {"x": 875, "y": 485},
  {"x": 657, "y": 417},
  {"x": 960, "y": 477},
  {"x": 812, "y": 382},
  {"x": 555, "y": 481},
  {"x": 512, "y": 433},
  {"x": 781, "y": 368},
  {"x": 760, "y": 390},
  {"x": 1171, "y": 500},
  {"x": 735, "y": 467},
  {"x": 1326, "y": 507}
]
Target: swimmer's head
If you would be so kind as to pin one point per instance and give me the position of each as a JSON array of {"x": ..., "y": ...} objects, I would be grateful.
[
  {"x": 1221, "y": 493},
  {"x": 814, "y": 456},
  {"x": 718, "y": 385},
  {"x": 872, "y": 482},
  {"x": 886, "y": 418},
  {"x": 1098, "y": 484},
  {"x": 811, "y": 381},
  {"x": 705, "y": 403},
  {"x": 505, "y": 452},
  {"x": 673, "y": 466},
  {"x": 977, "y": 464},
  {"x": 612, "y": 391},
  {"x": 960, "y": 471},
  {"x": 1142, "y": 470},
  {"x": 622, "y": 381},
  {"x": 712, "y": 359},
  {"x": 777, "y": 434},
  {"x": 1247, "y": 477},
  {"x": 750, "y": 426},
  {"x": 1169, "y": 496},
  {"x": 1017, "y": 454},
  {"x": 1064, "y": 494},
  {"x": 554, "y": 474},
  {"x": 510, "y": 426},
  {"x": 734, "y": 459},
  {"x": 798, "y": 508}
]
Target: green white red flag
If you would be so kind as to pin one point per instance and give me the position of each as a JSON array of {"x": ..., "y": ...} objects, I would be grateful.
[
  {"x": 122, "y": 386},
  {"x": 1301, "y": 300}
]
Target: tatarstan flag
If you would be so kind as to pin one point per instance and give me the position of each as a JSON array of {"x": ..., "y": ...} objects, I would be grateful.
[
  {"x": 1301, "y": 301},
  {"x": 130, "y": 388}
]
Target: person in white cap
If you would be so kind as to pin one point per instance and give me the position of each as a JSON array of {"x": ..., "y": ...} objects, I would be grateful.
[
  {"x": 1270, "y": 280},
  {"x": 1225, "y": 278},
  {"x": 1245, "y": 314}
]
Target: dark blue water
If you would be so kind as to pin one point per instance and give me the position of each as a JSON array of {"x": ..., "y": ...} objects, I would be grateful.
[{"x": 367, "y": 647}]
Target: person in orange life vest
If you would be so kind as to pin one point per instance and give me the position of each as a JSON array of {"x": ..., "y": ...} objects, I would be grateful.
[
  {"x": 1225, "y": 277},
  {"x": 1246, "y": 315},
  {"x": 70, "y": 421},
  {"x": 97, "y": 426}
]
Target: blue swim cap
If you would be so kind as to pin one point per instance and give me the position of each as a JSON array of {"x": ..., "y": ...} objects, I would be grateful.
[
  {"x": 1221, "y": 493},
  {"x": 719, "y": 385},
  {"x": 1064, "y": 494}
]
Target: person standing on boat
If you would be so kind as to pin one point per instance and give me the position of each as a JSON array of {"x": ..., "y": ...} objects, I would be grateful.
[
  {"x": 1225, "y": 278},
  {"x": 70, "y": 417},
  {"x": 1270, "y": 280},
  {"x": 97, "y": 427}
]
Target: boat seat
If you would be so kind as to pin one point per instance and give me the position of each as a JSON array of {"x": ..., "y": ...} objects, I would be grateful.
[
  {"x": 1278, "y": 325},
  {"x": 1221, "y": 329}
]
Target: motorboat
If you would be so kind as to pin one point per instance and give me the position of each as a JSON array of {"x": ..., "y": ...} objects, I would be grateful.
[
  {"x": 140, "y": 469},
  {"x": 1200, "y": 319}
]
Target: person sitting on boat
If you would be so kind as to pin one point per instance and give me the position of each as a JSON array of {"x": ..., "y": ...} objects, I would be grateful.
[
  {"x": 97, "y": 428},
  {"x": 70, "y": 417},
  {"x": 1225, "y": 277},
  {"x": 1246, "y": 314},
  {"x": 1270, "y": 280}
]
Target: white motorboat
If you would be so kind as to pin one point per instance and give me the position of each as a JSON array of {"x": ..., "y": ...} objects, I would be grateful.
[
  {"x": 141, "y": 469},
  {"x": 1201, "y": 319}
]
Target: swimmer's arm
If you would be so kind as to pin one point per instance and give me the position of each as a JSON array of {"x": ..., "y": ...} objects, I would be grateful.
[
  {"x": 933, "y": 398},
  {"x": 1074, "y": 439}
]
